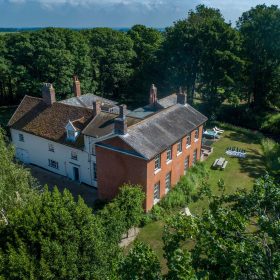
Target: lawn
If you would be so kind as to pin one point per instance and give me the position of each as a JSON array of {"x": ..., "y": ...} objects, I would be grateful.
[{"x": 239, "y": 173}]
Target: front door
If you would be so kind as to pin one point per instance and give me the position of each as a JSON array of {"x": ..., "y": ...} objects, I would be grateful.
[{"x": 76, "y": 173}]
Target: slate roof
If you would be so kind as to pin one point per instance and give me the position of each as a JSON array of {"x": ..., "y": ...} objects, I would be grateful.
[
  {"x": 86, "y": 101},
  {"x": 103, "y": 124},
  {"x": 35, "y": 117},
  {"x": 154, "y": 134},
  {"x": 148, "y": 110}
]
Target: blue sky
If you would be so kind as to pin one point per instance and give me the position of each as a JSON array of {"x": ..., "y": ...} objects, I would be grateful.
[{"x": 111, "y": 13}]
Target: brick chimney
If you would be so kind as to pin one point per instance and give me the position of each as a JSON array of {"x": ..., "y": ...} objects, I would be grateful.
[
  {"x": 48, "y": 94},
  {"x": 96, "y": 106},
  {"x": 120, "y": 125},
  {"x": 181, "y": 97},
  {"x": 76, "y": 86},
  {"x": 153, "y": 95}
]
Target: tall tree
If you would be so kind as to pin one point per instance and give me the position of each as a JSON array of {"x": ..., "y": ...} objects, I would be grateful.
[
  {"x": 54, "y": 237},
  {"x": 111, "y": 56},
  {"x": 202, "y": 54},
  {"x": 260, "y": 30},
  {"x": 146, "y": 44}
]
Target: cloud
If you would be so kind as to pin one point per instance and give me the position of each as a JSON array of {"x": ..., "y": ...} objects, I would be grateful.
[{"x": 111, "y": 13}]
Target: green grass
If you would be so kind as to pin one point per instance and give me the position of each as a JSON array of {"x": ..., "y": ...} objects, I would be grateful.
[
  {"x": 5, "y": 114},
  {"x": 239, "y": 173}
]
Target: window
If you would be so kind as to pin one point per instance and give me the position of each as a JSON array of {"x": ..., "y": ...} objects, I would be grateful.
[
  {"x": 188, "y": 142},
  {"x": 94, "y": 171},
  {"x": 156, "y": 192},
  {"x": 194, "y": 156},
  {"x": 167, "y": 182},
  {"x": 157, "y": 162},
  {"x": 21, "y": 137},
  {"x": 51, "y": 148},
  {"x": 196, "y": 134},
  {"x": 53, "y": 164},
  {"x": 169, "y": 154},
  {"x": 179, "y": 147},
  {"x": 186, "y": 163},
  {"x": 71, "y": 135},
  {"x": 74, "y": 155}
]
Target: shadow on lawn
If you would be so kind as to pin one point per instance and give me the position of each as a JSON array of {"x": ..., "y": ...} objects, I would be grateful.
[
  {"x": 245, "y": 137},
  {"x": 252, "y": 164}
]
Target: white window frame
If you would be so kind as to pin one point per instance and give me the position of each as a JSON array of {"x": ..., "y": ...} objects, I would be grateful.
[
  {"x": 53, "y": 163},
  {"x": 157, "y": 162},
  {"x": 194, "y": 157},
  {"x": 20, "y": 137},
  {"x": 179, "y": 144},
  {"x": 190, "y": 141},
  {"x": 186, "y": 166},
  {"x": 169, "y": 154},
  {"x": 156, "y": 192},
  {"x": 51, "y": 147},
  {"x": 167, "y": 182},
  {"x": 74, "y": 155},
  {"x": 196, "y": 135}
]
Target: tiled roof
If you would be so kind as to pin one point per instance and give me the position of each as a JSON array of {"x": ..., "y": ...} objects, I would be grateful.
[
  {"x": 35, "y": 117},
  {"x": 103, "y": 124},
  {"x": 154, "y": 134}
]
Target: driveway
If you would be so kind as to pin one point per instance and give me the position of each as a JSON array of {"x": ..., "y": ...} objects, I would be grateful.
[{"x": 45, "y": 177}]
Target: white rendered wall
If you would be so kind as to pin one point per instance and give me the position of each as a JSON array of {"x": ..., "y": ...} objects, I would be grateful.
[{"x": 38, "y": 151}]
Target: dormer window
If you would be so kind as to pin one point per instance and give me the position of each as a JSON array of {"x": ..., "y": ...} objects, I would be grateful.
[{"x": 72, "y": 132}]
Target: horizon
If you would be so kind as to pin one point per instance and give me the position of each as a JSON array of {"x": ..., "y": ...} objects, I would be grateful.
[{"x": 111, "y": 13}]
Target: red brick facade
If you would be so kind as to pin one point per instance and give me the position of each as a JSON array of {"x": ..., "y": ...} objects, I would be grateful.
[{"x": 115, "y": 168}]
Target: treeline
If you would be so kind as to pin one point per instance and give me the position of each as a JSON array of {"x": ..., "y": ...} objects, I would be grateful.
[{"x": 203, "y": 53}]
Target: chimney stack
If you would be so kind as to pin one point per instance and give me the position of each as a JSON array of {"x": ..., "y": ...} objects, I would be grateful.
[
  {"x": 153, "y": 95},
  {"x": 96, "y": 106},
  {"x": 76, "y": 86},
  {"x": 48, "y": 94},
  {"x": 121, "y": 122},
  {"x": 181, "y": 97}
]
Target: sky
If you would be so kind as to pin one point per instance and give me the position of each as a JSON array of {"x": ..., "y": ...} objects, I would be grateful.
[{"x": 112, "y": 13}]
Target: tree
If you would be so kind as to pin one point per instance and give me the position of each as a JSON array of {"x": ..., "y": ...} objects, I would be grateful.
[
  {"x": 202, "y": 53},
  {"x": 54, "y": 237},
  {"x": 124, "y": 212},
  {"x": 146, "y": 44},
  {"x": 17, "y": 187},
  {"x": 111, "y": 58},
  {"x": 141, "y": 263},
  {"x": 48, "y": 55},
  {"x": 260, "y": 31},
  {"x": 237, "y": 238}
]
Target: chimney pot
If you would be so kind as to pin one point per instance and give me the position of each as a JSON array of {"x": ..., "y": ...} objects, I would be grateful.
[
  {"x": 48, "y": 94},
  {"x": 96, "y": 106},
  {"x": 181, "y": 97},
  {"x": 120, "y": 124},
  {"x": 76, "y": 86},
  {"x": 153, "y": 95}
]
